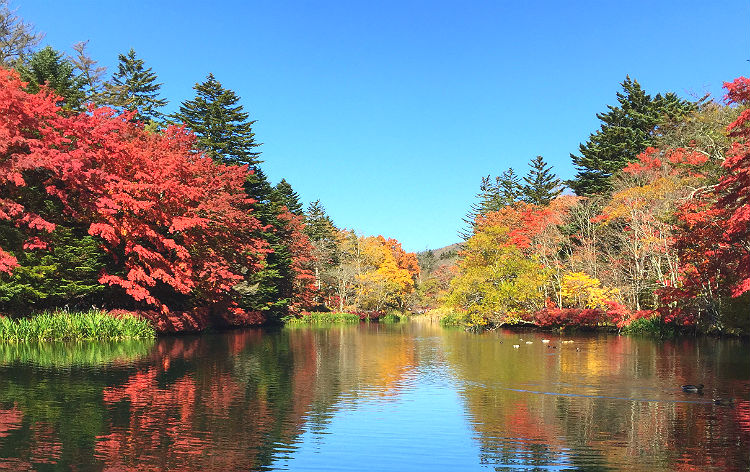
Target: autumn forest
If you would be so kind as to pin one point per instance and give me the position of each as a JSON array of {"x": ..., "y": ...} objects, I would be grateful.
[{"x": 108, "y": 202}]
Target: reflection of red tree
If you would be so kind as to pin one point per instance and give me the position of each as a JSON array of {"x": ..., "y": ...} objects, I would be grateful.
[
  {"x": 10, "y": 420},
  {"x": 742, "y": 412},
  {"x": 46, "y": 448},
  {"x": 205, "y": 419},
  {"x": 525, "y": 424}
]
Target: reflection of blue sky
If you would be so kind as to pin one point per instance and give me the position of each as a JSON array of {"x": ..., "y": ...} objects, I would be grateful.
[{"x": 424, "y": 427}]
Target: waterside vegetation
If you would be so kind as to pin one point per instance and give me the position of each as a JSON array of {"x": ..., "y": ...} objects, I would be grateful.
[{"x": 65, "y": 326}]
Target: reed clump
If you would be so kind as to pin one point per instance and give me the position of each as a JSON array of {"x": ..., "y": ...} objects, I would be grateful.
[{"x": 66, "y": 325}]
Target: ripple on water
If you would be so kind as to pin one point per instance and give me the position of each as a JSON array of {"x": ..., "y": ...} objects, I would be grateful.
[{"x": 413, "y": 397}]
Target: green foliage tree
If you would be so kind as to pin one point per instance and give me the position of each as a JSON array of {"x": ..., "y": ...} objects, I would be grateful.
[
  {"x": 51, "y": 68},
  {"x": 626, "y": 131},
  {"x": 134, "y": 87},
  {"x": 66, "y": 273},
  {"x": 485, "y": 200},
  {"x": 541, "y": 184},
  {"x": 220, "y": 123}
]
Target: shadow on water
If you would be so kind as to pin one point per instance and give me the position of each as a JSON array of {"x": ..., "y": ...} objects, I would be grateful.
[{"x": 356, "y": 397}]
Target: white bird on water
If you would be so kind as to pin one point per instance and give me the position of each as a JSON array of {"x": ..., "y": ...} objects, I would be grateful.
[
  {"x": 545, "y": 341},
  {"x": 529, "y": 342},
  {"x": 516, "y": 346}
]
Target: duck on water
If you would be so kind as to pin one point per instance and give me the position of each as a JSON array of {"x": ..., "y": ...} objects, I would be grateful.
[{"x": 693, "y": 388}]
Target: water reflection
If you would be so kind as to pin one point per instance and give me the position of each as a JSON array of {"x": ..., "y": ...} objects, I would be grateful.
[{"x": 374, "y": 397}]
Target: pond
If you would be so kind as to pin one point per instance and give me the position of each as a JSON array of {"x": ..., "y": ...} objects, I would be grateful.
[{"x": 409, "y": 396}]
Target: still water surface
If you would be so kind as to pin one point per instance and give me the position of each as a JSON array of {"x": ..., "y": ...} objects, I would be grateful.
[{"x": 375, "y": 397}]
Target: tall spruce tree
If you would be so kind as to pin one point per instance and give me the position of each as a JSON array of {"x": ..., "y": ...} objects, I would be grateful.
[
  {"x": 318, "y": 225},
  {"x": 285, "y": 195},
  {"x": 541, "y": 184},
  {"x": 220, "y": 123},
  {"x": 49, "y": 67},
  {"x": 262, "y": 289},
  {"x": 626, "y": 131},
  {"x": 134, "y": 87}
]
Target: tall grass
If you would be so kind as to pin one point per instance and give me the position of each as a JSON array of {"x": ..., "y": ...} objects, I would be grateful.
[
  {"x": 64, "y": 325},
  {"x": 650, "y": 327}
]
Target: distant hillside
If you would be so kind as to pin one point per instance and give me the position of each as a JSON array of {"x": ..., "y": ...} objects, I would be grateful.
[{"x": 433, "y": 259}]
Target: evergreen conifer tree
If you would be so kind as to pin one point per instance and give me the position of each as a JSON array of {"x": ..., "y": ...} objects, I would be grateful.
[
  {"x": 541, "y": 184},
  {"x": 284, "y": 194},
  {"x": 221, "y": 125},
  {"x": 322, "y": 233},
  {"x": 318, "y": 225},
  {"x": 492, "y": 196},
  {"x": 626, "y": 131},
  {"x": 134, "y": 87},
  {"x": 49, "y": 67},
  {"x": 509, "y": 187},
  {"x": 485, "y": 198}
]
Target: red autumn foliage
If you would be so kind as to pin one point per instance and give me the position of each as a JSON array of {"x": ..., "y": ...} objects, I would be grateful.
[
  {"x": 303, "y": 287},
  {"x": 20, "y": 114},
  {"x": 714, "y": 245},
  {"x": 173, "y": 221},
  {"x": 552, "y": 316},
  {"x": 526, "y": 222}
]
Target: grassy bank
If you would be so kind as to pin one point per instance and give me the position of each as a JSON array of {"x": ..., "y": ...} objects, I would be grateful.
[
  {"x": 64, "y": 326},
  {"x": 392, "y": 316},
  {"x": 324, "y": 317}
]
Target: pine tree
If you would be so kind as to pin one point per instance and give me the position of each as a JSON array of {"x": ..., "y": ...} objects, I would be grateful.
[
  {"x": 626, "y": 131},
  {"x": 134, "y": 87},
  {"x": 220, "y": 123},
  {"x": 51, "y": 68},
  {"x": 541, "y": 184}
]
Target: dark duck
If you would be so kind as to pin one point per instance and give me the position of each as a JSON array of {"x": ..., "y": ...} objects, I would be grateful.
[{"x": 692, "y": 388}]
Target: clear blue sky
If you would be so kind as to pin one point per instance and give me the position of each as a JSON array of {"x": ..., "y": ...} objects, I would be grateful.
[{"x": 389, "y": 112}]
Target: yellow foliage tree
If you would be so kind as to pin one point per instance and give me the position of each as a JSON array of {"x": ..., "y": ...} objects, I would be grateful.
[
  {"x": 387, "y": 274},
  {"x": 579, "y": 290}
]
